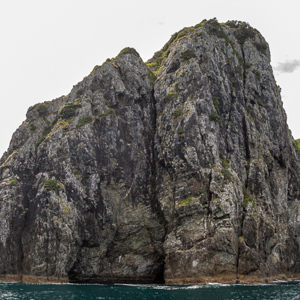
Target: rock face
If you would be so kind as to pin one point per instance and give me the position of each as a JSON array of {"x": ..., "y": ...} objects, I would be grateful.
[{"x": 180, "y": 170}]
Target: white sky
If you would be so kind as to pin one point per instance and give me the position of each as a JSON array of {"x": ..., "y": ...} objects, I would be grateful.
[{"x": 47, "y": 46}]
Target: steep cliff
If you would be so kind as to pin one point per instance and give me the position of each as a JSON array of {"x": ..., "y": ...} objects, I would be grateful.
[{"x": 182, "y": 169}]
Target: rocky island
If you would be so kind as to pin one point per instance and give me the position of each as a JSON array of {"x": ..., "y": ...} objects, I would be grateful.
[{"x": 178, "y": 170}]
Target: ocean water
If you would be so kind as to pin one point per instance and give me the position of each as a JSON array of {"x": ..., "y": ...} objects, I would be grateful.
[{"x": 282, "y": 291}]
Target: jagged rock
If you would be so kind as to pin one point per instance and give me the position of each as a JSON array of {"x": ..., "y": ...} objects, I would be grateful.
[{"x": 182, "y": 169}]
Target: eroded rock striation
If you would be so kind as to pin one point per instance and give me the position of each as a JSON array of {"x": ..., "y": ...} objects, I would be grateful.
[{"x": 181, "y": 169}]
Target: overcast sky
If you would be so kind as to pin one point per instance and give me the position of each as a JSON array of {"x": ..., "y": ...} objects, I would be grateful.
[{"x": 47, "y": 46}]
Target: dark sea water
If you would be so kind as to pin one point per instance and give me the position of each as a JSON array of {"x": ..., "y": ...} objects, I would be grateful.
[{"x": 284, "y": 291}]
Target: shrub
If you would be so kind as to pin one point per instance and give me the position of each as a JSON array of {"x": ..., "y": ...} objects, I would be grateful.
[
  {"x": 180, "y": 131},
  {"x": 42, "y": 110},
  {"x": 187, "y": 54},
  {"x": 129, "y": 50},
  {"x": 52, "y": 185},
  {"x": 226, "y": 173},
  {"x": 247, "y": 198},
  {"x": 75, "y": 172},
  {"x": 83, "y": 121},
  {"x": 261, "y": 47},
  {"x": 176, "y": 113},
  {"x": 215, "y": 117},
  {"x": 32, "y": 127},
  {"x": 225, "y": 168},
  {"x": 216, "y": 29},
  {"x": 257, "y": 74},
  {"x": 46, "y": 131},
  {"x": 244, "y": 32},
  {"x": 68, "y": 110},
  {"x": 95, "y": 85}
]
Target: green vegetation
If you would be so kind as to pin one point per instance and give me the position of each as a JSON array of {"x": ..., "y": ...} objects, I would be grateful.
[
  {"x": 225, "y": 168},
  {"x": 248, "y": 65},
  {"x": 177, "y": 112},
  {"x": 260, "y": 103},
  {"x": 79, "y": 92},
  {"x": 216, "y": 29},
  {"x": 247, "y": 199},
  {"x": 257, "y": 74},
  {"x": 180, "y": 131},
  {"x": 151, "y": 76},
  {"x": 52, "y": 185},
  {"x": 129, "y": 50},
  {"x": 95, "y": 85},
  {"x": 171, "y": 95},
  {"x": 185, "y": 202},
  {"x": 296, "y": 144},
  {"x": 68, "y": 110},
  {"x": 261, "y": 47},
  {"x": 64, "y": 123},
  {"x": 32, "y": 127},
  {"x": 244, "y": 31},
  {"x": 187, "y": 54},
  {"x": 108, "y": 112},
  {"x": 75, "y": 172},
  {"x": 241, "y": 239},
  {"x": 83, "y": 121},
  {"x": 12, "y": 182},
  {"x": 46, "y": 131},
  {"x": 42, "y": 110},
  {"x": 160, "y": 56},
  {"x": 216, "y": 104},
  {"x": 215, "y": 117}
]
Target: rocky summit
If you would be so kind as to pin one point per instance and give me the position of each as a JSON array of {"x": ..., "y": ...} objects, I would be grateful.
[{"x": 178, "y": 170}]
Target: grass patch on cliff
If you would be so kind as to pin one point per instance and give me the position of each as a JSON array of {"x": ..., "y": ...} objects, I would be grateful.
[
  {"x": 296, "y": 144},
  {"x": 12, "y": 182},
  {"x": 187, "y": 54},
  {"x": 177, "y": 113},
  {"x": 52, "y": 185},
  {"x": 248, "y": 199},
  {"x": 187, "y": 201},
  {"x": 83, "y": 121}
]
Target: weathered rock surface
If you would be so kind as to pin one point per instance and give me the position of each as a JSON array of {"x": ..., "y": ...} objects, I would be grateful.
[{"x": 181, "y": 176}]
